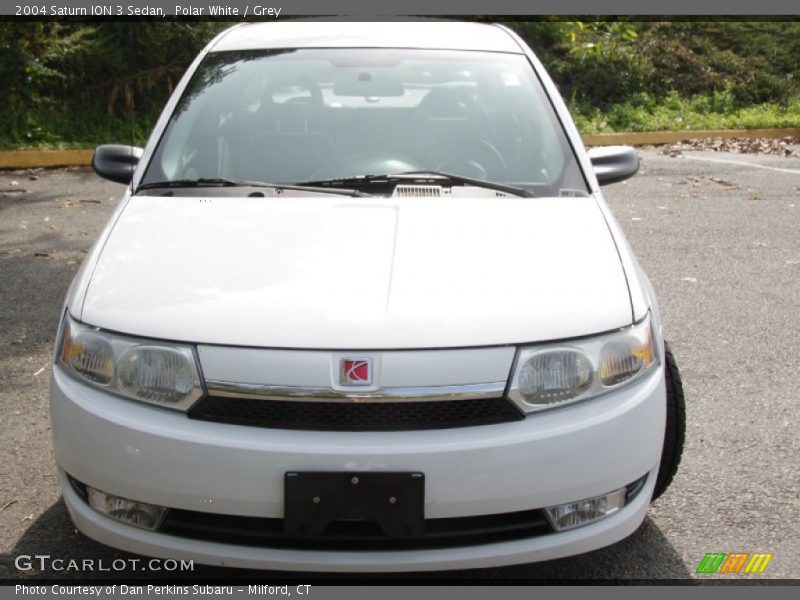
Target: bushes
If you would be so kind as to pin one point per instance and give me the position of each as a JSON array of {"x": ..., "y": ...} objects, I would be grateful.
[
  {"x": 643, "y": 76},
  {"x": 79, "y": 83},
  {"x": 32, "y": 74},
  {"x": 74, "y": 83},
  {"x": 748, "y": 59}
]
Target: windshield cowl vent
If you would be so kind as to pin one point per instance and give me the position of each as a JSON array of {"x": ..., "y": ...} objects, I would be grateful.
[{"x": 417, "y": 191}]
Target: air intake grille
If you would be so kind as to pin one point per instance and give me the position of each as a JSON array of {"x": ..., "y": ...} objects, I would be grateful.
[
  {"x": 355, "y": 535},
  {"x": 338, "y": 416},
  {"x": 417, "y": 191}
]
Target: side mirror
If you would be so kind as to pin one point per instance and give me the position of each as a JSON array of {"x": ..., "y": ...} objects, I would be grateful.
[
  {"x": 116, "y": 162},
  {"x": 613, "y": 163}
]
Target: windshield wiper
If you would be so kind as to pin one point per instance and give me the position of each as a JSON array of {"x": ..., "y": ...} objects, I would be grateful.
[
  {"x": 222, "y": 182},
  {"x": 393, "y": 179}
]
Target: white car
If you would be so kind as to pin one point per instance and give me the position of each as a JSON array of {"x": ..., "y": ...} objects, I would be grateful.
[{"x": 362, "y": 307}]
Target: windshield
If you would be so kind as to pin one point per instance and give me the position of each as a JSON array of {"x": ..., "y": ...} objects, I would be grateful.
[{"x": 294, "y": 116}]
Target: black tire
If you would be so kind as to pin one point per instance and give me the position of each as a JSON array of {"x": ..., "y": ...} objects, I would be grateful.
[{"x": 675, "y": 431}]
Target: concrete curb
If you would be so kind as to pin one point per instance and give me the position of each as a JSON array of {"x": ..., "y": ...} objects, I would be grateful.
[{"x": 29, "y": 159}]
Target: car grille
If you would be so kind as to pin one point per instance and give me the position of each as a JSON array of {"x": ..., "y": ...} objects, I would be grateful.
[
  {"x": 355, "y": 535},
  {"x": 343, "y": 416}
]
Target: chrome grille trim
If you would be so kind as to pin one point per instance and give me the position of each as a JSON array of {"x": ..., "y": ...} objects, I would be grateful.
[{"x": 255, "y": 391}]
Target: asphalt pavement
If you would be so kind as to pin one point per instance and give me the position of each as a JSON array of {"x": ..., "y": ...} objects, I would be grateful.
[{"x": 719, "y": 235}]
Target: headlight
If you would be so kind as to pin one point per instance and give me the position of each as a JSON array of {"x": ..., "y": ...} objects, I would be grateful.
[
  {"x": 88, "y": 355},
  {"x": 548, "y": 376},
  {"x": 165, "y": 374}
]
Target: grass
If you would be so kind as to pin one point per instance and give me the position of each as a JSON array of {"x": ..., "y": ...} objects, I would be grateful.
[{"x": 673, "y": 113}]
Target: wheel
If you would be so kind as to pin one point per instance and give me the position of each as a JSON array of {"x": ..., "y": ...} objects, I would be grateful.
[{"x": 675, "y": 431}]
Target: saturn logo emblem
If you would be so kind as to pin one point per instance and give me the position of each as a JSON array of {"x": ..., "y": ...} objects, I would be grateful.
[{"x": 355, "y": 371}]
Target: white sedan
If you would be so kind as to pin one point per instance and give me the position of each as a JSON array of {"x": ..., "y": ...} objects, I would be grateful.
[{"x": 362, "y": 307}]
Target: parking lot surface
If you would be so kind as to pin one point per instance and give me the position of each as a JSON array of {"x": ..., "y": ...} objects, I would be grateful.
[{"x": 719, "y": 235}]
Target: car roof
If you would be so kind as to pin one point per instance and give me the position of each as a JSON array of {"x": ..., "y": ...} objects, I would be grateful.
[{"x": 432, "y": 34}]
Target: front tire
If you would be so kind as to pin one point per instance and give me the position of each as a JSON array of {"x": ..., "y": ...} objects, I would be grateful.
[{"x": 675, "y": 430}]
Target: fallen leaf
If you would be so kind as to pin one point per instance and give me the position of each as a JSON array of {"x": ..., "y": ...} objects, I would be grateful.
[
  {"x": 722, "y": 182},
  {"x": 779, "y": 147}
]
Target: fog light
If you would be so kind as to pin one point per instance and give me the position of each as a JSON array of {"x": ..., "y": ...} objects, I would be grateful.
[
  {"x": 138, "y": 514},
  {"x": 583, "y": 512}
]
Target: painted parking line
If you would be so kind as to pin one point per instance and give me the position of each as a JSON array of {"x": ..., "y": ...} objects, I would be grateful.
[{"x": 743, "y": 163}]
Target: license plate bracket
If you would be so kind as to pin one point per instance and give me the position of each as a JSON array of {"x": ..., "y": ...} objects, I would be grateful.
[{"x": 315, "y": 499}]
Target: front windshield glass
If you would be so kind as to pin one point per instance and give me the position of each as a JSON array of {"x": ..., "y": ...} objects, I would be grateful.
[{"x": 294, "y": 116}]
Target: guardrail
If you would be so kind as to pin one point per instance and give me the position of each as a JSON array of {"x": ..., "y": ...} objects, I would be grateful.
[{"x": 28, "y": 159}]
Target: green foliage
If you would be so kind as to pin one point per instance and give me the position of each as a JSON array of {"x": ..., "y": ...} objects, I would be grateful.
[
  {"x": 755, "y": 61},
  {"x": 673, "y": 113},
  {"x": 595, "y": 61},
  {"x": 80, "y": 83},
  {"x": 32, "y": 72},
  {"x": 606, "y": 63}
]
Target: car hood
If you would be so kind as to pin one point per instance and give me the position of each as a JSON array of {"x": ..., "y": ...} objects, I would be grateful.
[{"x": 358, "y": 273}]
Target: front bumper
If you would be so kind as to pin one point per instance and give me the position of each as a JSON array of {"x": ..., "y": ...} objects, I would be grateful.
[{"x": 164, "y": 458}]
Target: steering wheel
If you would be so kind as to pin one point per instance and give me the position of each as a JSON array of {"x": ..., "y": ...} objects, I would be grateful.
[
  {"x": 451, "y": 104},
  {"x": 476, "y": 158},
  {"x": 452, "y": 122}
]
